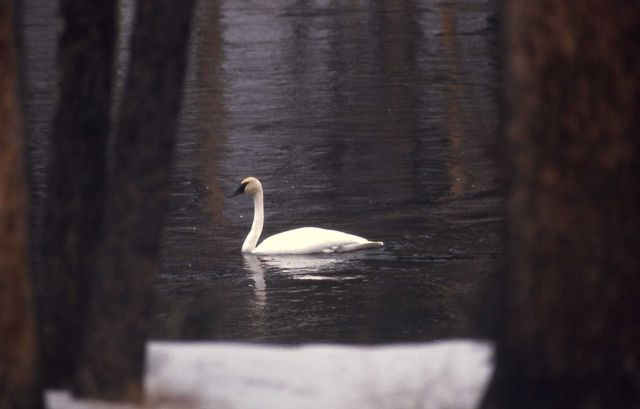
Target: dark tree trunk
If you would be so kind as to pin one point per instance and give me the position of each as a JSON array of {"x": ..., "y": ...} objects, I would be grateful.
[
  {"x": 76, "y": 183},
  {"x": 119, "y": 317},
  {"x": 19, "y": 387},
  {"x": 570, "y": 329}
]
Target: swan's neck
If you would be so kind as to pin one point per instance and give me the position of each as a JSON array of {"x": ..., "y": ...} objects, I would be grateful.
[{"x": 258, "y": 221}]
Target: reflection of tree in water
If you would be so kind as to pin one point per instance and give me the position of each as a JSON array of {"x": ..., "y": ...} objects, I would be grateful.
[
  {"x": 208, "y": 54},
  {"x": 454, "y": 115}
]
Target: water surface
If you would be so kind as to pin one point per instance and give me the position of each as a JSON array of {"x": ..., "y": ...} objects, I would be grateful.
[{"x": 376, "y": 118}]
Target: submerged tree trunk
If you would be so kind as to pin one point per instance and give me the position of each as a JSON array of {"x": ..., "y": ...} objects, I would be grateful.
[
  {"x": 570, "y": 335},
  {"x": 76, "y": 182},
  {"x": 119, "y": 316},
  {"x": 19, "y": 387}
]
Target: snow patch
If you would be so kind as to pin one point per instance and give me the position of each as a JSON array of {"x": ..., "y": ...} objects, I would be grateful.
[{"x": 439, "y": 375}]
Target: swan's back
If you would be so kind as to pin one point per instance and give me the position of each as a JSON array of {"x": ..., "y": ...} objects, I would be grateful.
[{"x": 307, "y": 240}]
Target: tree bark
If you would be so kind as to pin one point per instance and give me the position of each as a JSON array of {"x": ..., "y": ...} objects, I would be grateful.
[
  {"x": 18, "y": 354},
  {"x": 119, "y": 316},
  {"x": 569, "y": 334},
  {"x": 76, "y": 182}
]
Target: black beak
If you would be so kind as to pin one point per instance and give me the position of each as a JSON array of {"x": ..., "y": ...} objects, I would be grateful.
[{"x": 239, "y": 191}]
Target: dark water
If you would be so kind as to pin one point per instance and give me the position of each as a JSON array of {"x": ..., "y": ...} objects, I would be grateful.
[{"x": 376, "y": 118}]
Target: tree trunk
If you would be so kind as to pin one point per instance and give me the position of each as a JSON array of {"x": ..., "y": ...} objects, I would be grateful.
[
  {"x": 76, "y": 182},
  {"x": 569, "y": 334},
  {"x": 119, "y": 315},
  {"x": 18, "y": 354}
]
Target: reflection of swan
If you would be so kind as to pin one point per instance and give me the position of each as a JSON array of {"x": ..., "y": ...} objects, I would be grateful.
[
  {"x": 257, "y": 274},
  {"x": 306, "y": 240},
  {"x": 296, "y": 267},
  {"x": 294, "y": 263}
]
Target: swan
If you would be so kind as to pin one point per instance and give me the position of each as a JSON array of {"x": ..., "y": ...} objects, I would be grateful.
[{"x": 305, "y": 240}]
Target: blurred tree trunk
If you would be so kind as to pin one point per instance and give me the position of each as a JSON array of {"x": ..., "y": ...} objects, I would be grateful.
[
  {"x": 570, "y": 334},
  {"x": 18, "y": 353},
  {"x": 76, "y": 182},
  {"x": 120, "y": 311}
]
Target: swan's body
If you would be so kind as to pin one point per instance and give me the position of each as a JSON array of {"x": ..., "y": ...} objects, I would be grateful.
[
  {"x": 308, "y": 240},
  {"x": 305, "y": 240}
]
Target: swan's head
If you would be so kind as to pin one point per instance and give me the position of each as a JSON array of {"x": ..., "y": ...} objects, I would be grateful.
[{"x": 249, "y": 185}]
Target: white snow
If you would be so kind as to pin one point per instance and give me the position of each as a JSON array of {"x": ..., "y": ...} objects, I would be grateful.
[{"x": 212, "y": 375}]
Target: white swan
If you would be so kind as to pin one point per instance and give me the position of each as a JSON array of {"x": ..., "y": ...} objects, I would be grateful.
[{"x": 305, "y": 240}]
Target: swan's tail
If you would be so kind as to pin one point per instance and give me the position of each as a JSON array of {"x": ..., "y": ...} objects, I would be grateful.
[{"x": 359, "y": 246}]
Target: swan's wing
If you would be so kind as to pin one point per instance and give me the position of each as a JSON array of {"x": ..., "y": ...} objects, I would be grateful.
[
  {"x": 308, "y": 240},
  {"x": 355, "y": 246}
]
